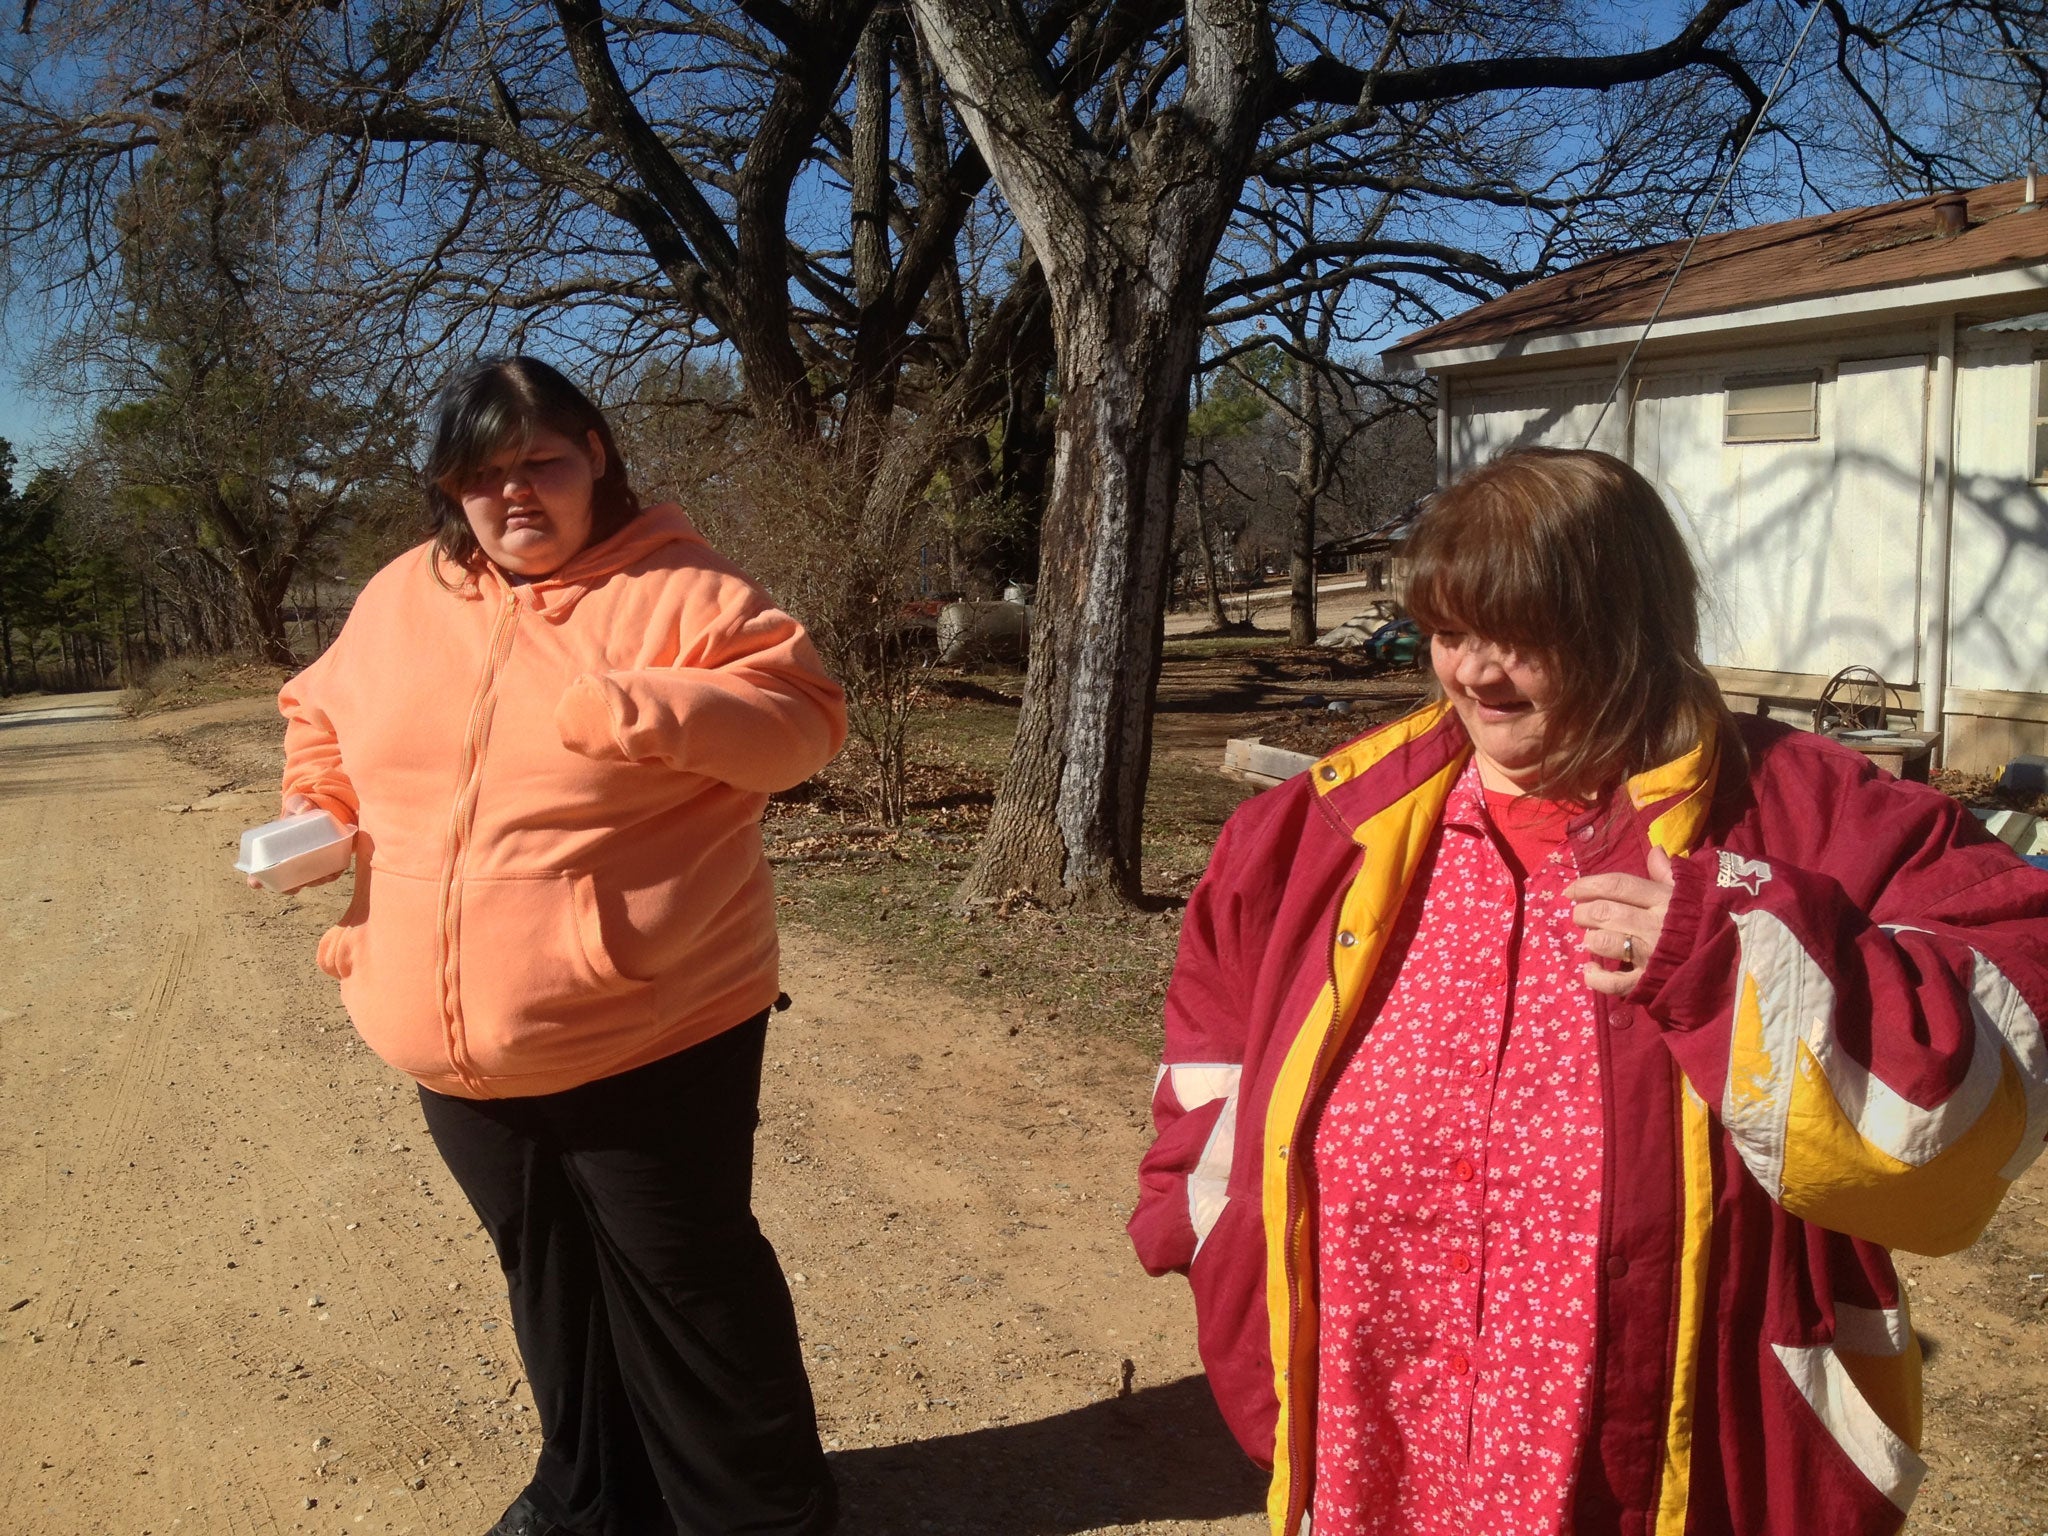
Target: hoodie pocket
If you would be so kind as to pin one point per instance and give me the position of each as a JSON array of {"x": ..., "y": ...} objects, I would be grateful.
[
  {"x": 383, "y": 953},
  {"x": 538, "y": 984}
]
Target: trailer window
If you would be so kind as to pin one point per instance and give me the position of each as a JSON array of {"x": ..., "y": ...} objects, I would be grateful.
[{"x": 1783, "y": 409}]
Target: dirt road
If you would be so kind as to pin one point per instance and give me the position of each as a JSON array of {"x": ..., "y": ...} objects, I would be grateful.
[
  {"x": 1337, "y": 598},
  {"x": 243, "y": 1296},
  {"x": 250, "y": 1299}
]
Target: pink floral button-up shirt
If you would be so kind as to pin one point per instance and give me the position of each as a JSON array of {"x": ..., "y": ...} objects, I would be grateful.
[{"x": 1457, "y": 1177}]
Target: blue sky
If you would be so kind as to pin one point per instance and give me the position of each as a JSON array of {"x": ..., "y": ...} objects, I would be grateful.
[
  {"x": 26, "y": 421},
  {"x": 33, "y": 424},
  {"x": 21, "y": 420}
]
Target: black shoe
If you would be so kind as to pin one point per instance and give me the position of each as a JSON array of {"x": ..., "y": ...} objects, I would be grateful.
[{"x": 522, "y": 1519}]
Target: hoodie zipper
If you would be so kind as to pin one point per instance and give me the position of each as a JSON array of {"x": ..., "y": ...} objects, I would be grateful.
[{"x": 461, "y": 822}]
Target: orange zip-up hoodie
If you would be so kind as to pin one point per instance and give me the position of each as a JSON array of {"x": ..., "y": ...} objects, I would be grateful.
[{"x": 559, "y": 875}]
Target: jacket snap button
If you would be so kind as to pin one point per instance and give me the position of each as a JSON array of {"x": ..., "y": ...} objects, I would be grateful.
[
  {"x": 1347, "y": 938},
  {"x": 1617, "y": 1267},
  {"x": 1329, "y": 775}
]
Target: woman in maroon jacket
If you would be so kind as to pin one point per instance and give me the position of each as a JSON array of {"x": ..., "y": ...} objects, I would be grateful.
[{"x": 1549, "y": 1073}]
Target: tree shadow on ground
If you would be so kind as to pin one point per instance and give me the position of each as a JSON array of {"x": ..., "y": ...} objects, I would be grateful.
[{"x": 1160, "y": 1454}]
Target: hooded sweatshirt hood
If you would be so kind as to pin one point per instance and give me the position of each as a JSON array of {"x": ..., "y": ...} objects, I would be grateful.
[{"x": 556, "y": 594}]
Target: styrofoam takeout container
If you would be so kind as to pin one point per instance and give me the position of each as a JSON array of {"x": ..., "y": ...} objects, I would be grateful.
[{"x": 296, "y": 850}]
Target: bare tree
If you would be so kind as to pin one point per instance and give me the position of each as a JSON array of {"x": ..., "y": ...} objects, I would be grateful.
[
  {"x": 1125, "y": 231},
  {"x": 1125, "y": 195},
  {"x": 622, "y": 179},
  {"x": 1230, "y": 406},
  {"x": 653, "y": 177}
]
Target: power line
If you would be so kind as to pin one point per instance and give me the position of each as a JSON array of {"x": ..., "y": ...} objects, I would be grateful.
[{"x": 1706, "y": 219}]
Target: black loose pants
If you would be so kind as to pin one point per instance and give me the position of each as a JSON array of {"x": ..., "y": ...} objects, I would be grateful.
[{"x": 657, "y": 1333}]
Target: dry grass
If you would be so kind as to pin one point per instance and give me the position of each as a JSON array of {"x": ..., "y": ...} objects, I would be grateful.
[
  {"x": 1096, "y": 972},
  {"x": 184, "y": 681},
  {"x": 1982, "y": 791},
  {"x": 892, "y": 889}
]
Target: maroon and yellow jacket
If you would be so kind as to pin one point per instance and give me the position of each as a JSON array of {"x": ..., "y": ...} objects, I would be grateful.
[{"x": 1835, "y": 1050}]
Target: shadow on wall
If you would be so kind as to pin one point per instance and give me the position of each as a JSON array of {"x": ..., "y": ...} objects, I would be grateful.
[
  {"x": 2011, "y": 512},
  {"x": 1160, "y": 1454}
]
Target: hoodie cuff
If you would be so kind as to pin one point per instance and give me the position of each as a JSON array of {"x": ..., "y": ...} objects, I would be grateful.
[
  {"x": 583, "y": 719},
  {"x": 1691, "y": 887}
]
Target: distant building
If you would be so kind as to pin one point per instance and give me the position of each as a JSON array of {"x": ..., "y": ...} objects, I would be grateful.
[
  {"x": 1375, "y": 556},
  {"x": 1849, "y": 415}
]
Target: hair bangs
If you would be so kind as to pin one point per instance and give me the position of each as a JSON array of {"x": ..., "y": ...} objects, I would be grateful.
[
  {"x": 499, "y": 403},
  {"x": 1473, "y": 569},
  {"x": 1571, "y": 558},
  {"x": 479, "y": 429}
]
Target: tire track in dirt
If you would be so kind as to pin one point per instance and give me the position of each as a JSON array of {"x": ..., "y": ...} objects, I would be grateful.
[
  {"x": 137, "y": 1077},
  {"x": 78, "y": 1194},
  {"x": 55, "y": 1055},
  {"x": 202, "y": 1157},
  {"x": 133, "y": 1101}
]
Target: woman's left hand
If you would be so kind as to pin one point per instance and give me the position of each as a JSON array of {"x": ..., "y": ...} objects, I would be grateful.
[{"x": 1623, "y": 916}]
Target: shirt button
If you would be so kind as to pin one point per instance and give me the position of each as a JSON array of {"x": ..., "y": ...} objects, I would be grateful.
[
  {"x": 1461, "y": 1262},
  {"x": 1347, "y": 938},
  {"x": 1460, "y": 1365},
  {"x": 1617, "y": 1267},
  {"x": 1463, "y": 1170}
]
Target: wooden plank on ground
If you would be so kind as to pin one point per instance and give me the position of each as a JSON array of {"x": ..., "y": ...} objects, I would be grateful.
[{"x": 1247, "y": 757}]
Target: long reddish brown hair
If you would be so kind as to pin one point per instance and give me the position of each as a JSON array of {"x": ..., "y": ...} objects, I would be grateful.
[{"x": 1570, "y": 558}]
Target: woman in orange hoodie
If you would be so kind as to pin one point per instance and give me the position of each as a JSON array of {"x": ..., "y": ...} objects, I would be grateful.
[{"x": 556, "y": 725}]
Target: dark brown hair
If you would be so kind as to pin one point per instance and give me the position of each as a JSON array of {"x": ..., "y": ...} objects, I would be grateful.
[
  {"x": 1571, "y": 558},
  {"x": 495, "y": 403}
]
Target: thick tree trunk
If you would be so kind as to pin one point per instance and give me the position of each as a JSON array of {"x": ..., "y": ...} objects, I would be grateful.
[
  {"x": 1068, "y": 822},
  {"x": 263, "y": 598},
  {"x": 1125, "y": 234},
  {"x": 1308, "y": 487},
  {"x": 870, "y": 391}
]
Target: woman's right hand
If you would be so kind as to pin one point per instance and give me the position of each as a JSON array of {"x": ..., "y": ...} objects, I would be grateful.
[
  {"x": 295, "y": 805},
  {"x": 1623, "y": 916}
]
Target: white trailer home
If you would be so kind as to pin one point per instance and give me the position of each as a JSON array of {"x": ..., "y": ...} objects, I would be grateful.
[{"x": 1849, "y": 415}]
